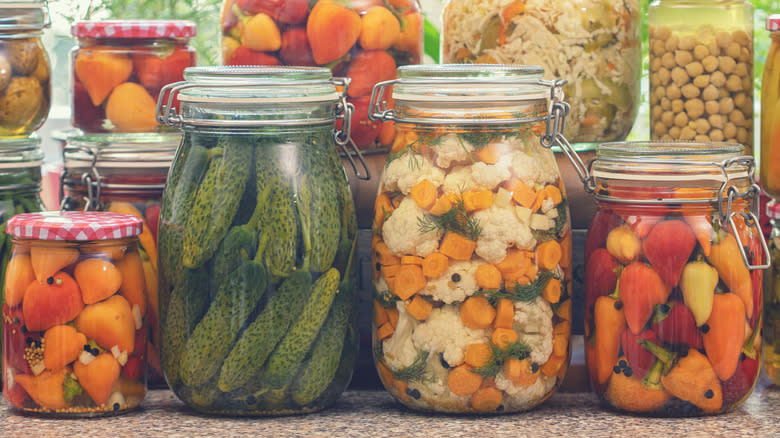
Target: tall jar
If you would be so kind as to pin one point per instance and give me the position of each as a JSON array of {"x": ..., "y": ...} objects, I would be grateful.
[
  {"x": 593, "y": 44},
  {"x": 701, "y": 71},
  {"x": 119, "y": 67},
  {"x": 257, "y": 242},
  {"x": 772, "y": 300},
  {"x": 72, "y": 325},
  {"x": 673, "y": 278},
  {"x": 362, "y": 40},
  {"x": 124, "y": 173},
  {"x": 25, "y": 88},
  {"x": 472, "y": 242},
  {"x": 770, "y": 111}
]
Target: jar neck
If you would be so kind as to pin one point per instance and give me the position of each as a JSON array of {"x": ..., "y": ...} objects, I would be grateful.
[{"x": 131, "y": 42}]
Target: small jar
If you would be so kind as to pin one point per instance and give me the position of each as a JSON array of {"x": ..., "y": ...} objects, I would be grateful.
[
  {"x": 593, "y": 44},
  {"x": 257, "y": 240},
  {"x": 73, "y": 323},
  {"x": 701, "y": 71},
  {"x": 366, "y": 44},
  {"x": 25, "y": 88},
  {"x": 472, "y": 242},
  {"x": 119, "y": 67},
  {"x": 772, "y": 299},
  {"x": 673, "y": 278},
  {"x": 770, "y": 97},
  {"x": 124, "y": 173}
]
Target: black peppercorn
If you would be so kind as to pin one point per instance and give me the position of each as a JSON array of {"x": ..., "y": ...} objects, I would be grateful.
[
  {"x": 618, "y": 305},
  {"x": 628, "y": 371},
  {"x": 709, "y": 394},
  {"x": 705, "y": 328},
  {"x": 534, "y": 367},
  {"x": 50, "y": 280},
  {"x": 413, "y": 393},
  {"x": 455, "y": 277}
]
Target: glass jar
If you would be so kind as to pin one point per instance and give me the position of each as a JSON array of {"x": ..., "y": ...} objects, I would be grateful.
[
  {"x": 673, "y": 278},
  {"x": 770, "y": 104},
  {"x": 362, "y": 40},
  {"x": 593, "y": 44},
  {"x": 74, "y": 335},
  {"x": 124, "y": 173},
  {"x": 257, "y": 234},
  {"x": 701, "y": 70},
  {"x": 25, "y": 89},
  {"x": 119, "y": 68},
  {"x": 772, "y": 300},
  {"x": 472, "y": 242}
]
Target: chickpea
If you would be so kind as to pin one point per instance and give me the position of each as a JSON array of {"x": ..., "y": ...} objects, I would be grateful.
[
  {"x": 655, "y": 64},
  {"x": 681, "y": 120},
  {"x": 690, "y": 91},
  {"x": 682, "y": 57},
  {"x": 667, "y": 118},
  {"x": 723, "y": 92},
  {"x": 666, "y": 104},
  {"x": 702, "y": 138},
  {"x": 739, "y": 99},
  {"x": 662, "y": 32},
  {"x": 726, "y": 105},
  {"x": 687, "y": 133},
  {"x": 712, "y": 46},
  {"x": 723, "y": 39},
  {"x": 702, "y": 126},
  {"x": 701, "y": 81},
  {"x": 694, "y": 69},
  {"x": 741, "y": 37},
  {"x": 742, "y": 135},
  {"x": 710, "y": 64},
  {"x": 680, "y": 76},
  {"x": 734, "y": 83},
  {"x": 745, "y": 55},
  {"x": 726, "y": 64},
  {"x": 747, "y": 83},
  {"x": 737, "y": 118},
  {"x": 658, "y": 48},
  {"x": 733, "y": 50},
  {"x": 673, "y": 91},
  {"x": 655, "y": 80},
  {"x": 716, "y": 135},
  {"x": 711, "y": 107},
  {"x": 687, "y": 42},
  {"x": 674, "y": 131},
  {"x": 671, "y": 43},
  {"x": 700, "y": 52},
  {"x": 741, "y": 69},
  {"x": 709, "y": 93},
  {"x": 694, "y": 108},
  {"x": 677, "y": 105},
  {"x": 659, "y": 128},
  {"x": 660, "y": 92},
  {"x": 667, "y": 60},
  {"x": 716, "y": 120},
  {"x": 718, "y": 79},
  {"x": 667, "y": 137},
  {"x": 748, "y": 123},
  {"x": 656, "y": 112},
  {"x": 654, "y": 99},
  {"x": 732, "y": 140},
  {"x": 664, "y": 76},
  {"x": 729, "y": 130}
]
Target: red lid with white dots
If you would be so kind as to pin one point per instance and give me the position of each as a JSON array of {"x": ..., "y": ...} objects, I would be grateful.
[
  {"x": 773, "y": 210},
  {"x": 134, "y": 29},
  {"x": 74, "y": 225},
  {"x": 773, "y": 22}
]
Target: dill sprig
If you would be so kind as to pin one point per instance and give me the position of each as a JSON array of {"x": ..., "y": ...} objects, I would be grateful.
[
  {"x": 386, "y": 298},
  {"x": 515, "y": 350},
  {"x": 560, "y": 224},
  {"x": 524, "y": 293},
  {"x": 455, "y": 219},
  {"x": 414, "y": 372},
  {"x": 478, "y": 139}
]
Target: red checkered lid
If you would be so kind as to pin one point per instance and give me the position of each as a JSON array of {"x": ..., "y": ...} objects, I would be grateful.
[
  {"x": 74, "y": 225},
  {"x": 773, "y": 22},
  {"x": 134, "y": 29},
  {"x": 773, "y": 210}
]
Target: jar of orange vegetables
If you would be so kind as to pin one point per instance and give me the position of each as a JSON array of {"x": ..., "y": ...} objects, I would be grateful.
[
  {"x": 472, "y": 243},
  {"x": 124, "y": 173},
  {"x": 119, "y": 67},
  {"x": 673, "y": 278},
  {"x": 73, "y": 326},
  {"x": 770, "y": 113}
]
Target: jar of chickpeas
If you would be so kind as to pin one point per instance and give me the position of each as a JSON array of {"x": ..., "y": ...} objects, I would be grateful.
[{"x": 701, "y": 70}]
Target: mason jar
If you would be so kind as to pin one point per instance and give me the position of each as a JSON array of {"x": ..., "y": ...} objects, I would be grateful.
[
  {"x": 770, "y": 96},
  {"x": 673, "y": 278},
  {"x": 472, "y": 241},
  {"x": 25, "y": 88},
  {"x": 124, "y": 173},
  {"x": 74, "y": 337},
  {"x": 701, "y": 71},
  {"x": 772, "y": 299},
  {"x": 257, "y": 242}
]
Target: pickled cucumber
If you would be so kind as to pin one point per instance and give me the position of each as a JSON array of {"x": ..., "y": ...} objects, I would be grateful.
[{"x": 288, "y": 355}]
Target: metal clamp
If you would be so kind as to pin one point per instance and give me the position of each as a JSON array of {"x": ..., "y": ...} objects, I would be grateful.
[
  {"x": 90, "y": 180},
  {"x": 377, "y": 109}
]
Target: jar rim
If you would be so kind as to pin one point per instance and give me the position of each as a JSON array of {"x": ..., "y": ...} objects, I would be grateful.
[
  {"x": 650, "y": 150},
  {"x": 121, "y": 150},
  {"x": 20, "y": 152},
  {"x": 23, "y": 15}
]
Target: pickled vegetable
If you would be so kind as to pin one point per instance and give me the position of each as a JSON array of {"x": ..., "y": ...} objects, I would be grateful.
[{"x": 25, "y": 90}]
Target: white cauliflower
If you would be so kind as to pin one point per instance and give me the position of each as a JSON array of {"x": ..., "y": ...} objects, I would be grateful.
[
  {"x": 444, "y": 332},
  {"x": 451, "y": 148},
  {"x": 407, "y": 170},
  {"x": 525, "y": 168},
  {"x": 434, "y": 392},
  {"x": 545, "y": 161},
  {"x": 446, "y": 289},
  {"x": 500, "y": 227},
  {"x": 401, "y": 231},
  {"x": 398, "y": 350},
  {"x": 458, "y": 180},
  {"x": 520, "y": 398},
  {"x": 533, "y": 323},
  {"x": 479, "y": 176}
]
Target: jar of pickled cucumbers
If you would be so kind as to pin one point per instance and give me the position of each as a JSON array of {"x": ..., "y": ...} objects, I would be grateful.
[
  {"x": 472, "y": 242},
  {"x": 119, "y": 67},
  {"x": 701, "y": 70},
  {"x": 673, "y": 278},
  {"x": 593, "y": 44},
  {"x": 772, "y": 299},
  {"x": 25, "y": 88},
  {"x": 74, "y": 335},
  {"x": 124, "y": 173},
  {"x": 258, "y": 299},
  {"x": 770, "y": 111}
]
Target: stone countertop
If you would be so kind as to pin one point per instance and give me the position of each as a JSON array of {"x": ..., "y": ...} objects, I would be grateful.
[{"x": 375, "y": 413}]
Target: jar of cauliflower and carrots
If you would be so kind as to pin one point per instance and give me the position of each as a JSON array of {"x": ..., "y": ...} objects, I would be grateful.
[
  {"x": 472, "y": 243},
  {"x": 673, "y": 278}
]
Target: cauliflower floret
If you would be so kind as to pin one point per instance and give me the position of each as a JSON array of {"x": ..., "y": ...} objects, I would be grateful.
[
  {"x": 533, "y": 322},
  {"x": 401, "y": 231},
  {"x": 525, "y": 168},
  {"x": 398, "y": 350},
  {"x": 458, "y": 180},
  {"x": 446, "y": 289},
  {"x": 407, "y": 170},
  {"x": 545, "y": 161},
  {"x": 500, "y": 227},
  {"x": 452, "y": 148},
  {"x": 444, "y": 332},
  {"x": 524, "y": 397},
  {"x": 488, "y": 176},
  {"x": 434, "y": 392}
]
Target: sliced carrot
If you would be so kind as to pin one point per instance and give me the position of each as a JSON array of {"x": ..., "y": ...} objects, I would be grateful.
[
  {"x": 392, "y": 316},
  {"x": 411, "y": 260},
  {"x": 435, "y": 264},
  {"x": 384, "y": 256},
  {"x": 521, "y": 193},
  {"x": 520, "y": 372},
  {"x": 505, "y": 314},
  {"x": 380, "y": 314},
  {"x": 424, "y": 194},
  {"x": 477, "y": 199},
  {"x": 490, "y": 154},
  {"x": 564, "y": 310},
  {"x": 515, "y": 260},
  {"x": 560, "y": 344},
  {"x": 408, "y": 281},
  {"x": 503, "y": 337},
  {"x": 548, "y": 254},
  {"x": 441, "y": 206},
  {"x": 552, "y": 291},
  {"x": 477, "y": 313},
  {"x": 384, "y": 331},
  {"x": 477, "y": 355},
  {"x": 382, "y": 208},
  {"x": 553, "y": 364},
  {"x": 462, "y": 381},
  {"x": 562, "y": 328},
  {"x": 419, "y": 308},
  {"x": 553, "y": 193},
  {"x": 486, "y": 399},
  {"x": 541, "y": 195},
  {"x": 401, "y": 386},
  {"x": 457, "y": 247},
  {"x": 488, "y": 277}
]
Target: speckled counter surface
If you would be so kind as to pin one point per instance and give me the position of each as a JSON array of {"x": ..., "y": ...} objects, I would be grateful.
[{"x": 375, "y": 414}]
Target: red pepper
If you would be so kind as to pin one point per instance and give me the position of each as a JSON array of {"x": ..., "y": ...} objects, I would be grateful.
[
  {"x": 639, "y": 358},
  {"x": 286, "y": 11},
  {"x": 673, "y": 323}
]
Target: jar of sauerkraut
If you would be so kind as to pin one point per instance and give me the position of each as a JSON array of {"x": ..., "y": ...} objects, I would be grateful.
[
  {"x": 472, "y": 242},
  {"x": 593, "y": 44}
]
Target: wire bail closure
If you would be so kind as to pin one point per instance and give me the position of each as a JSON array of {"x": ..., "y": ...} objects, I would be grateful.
[{"x": 90, "y": 180}]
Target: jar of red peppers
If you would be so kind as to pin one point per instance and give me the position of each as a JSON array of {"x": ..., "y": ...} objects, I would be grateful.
[
  {"x": 364, "y": 40},
  {"x": 119, "y": 68},
  {"x": 124, "y": 173},
  {"x": 74, "y": 331},
  {"x": 673, "y": 278},
  {"x": 772, "y": 300}
]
